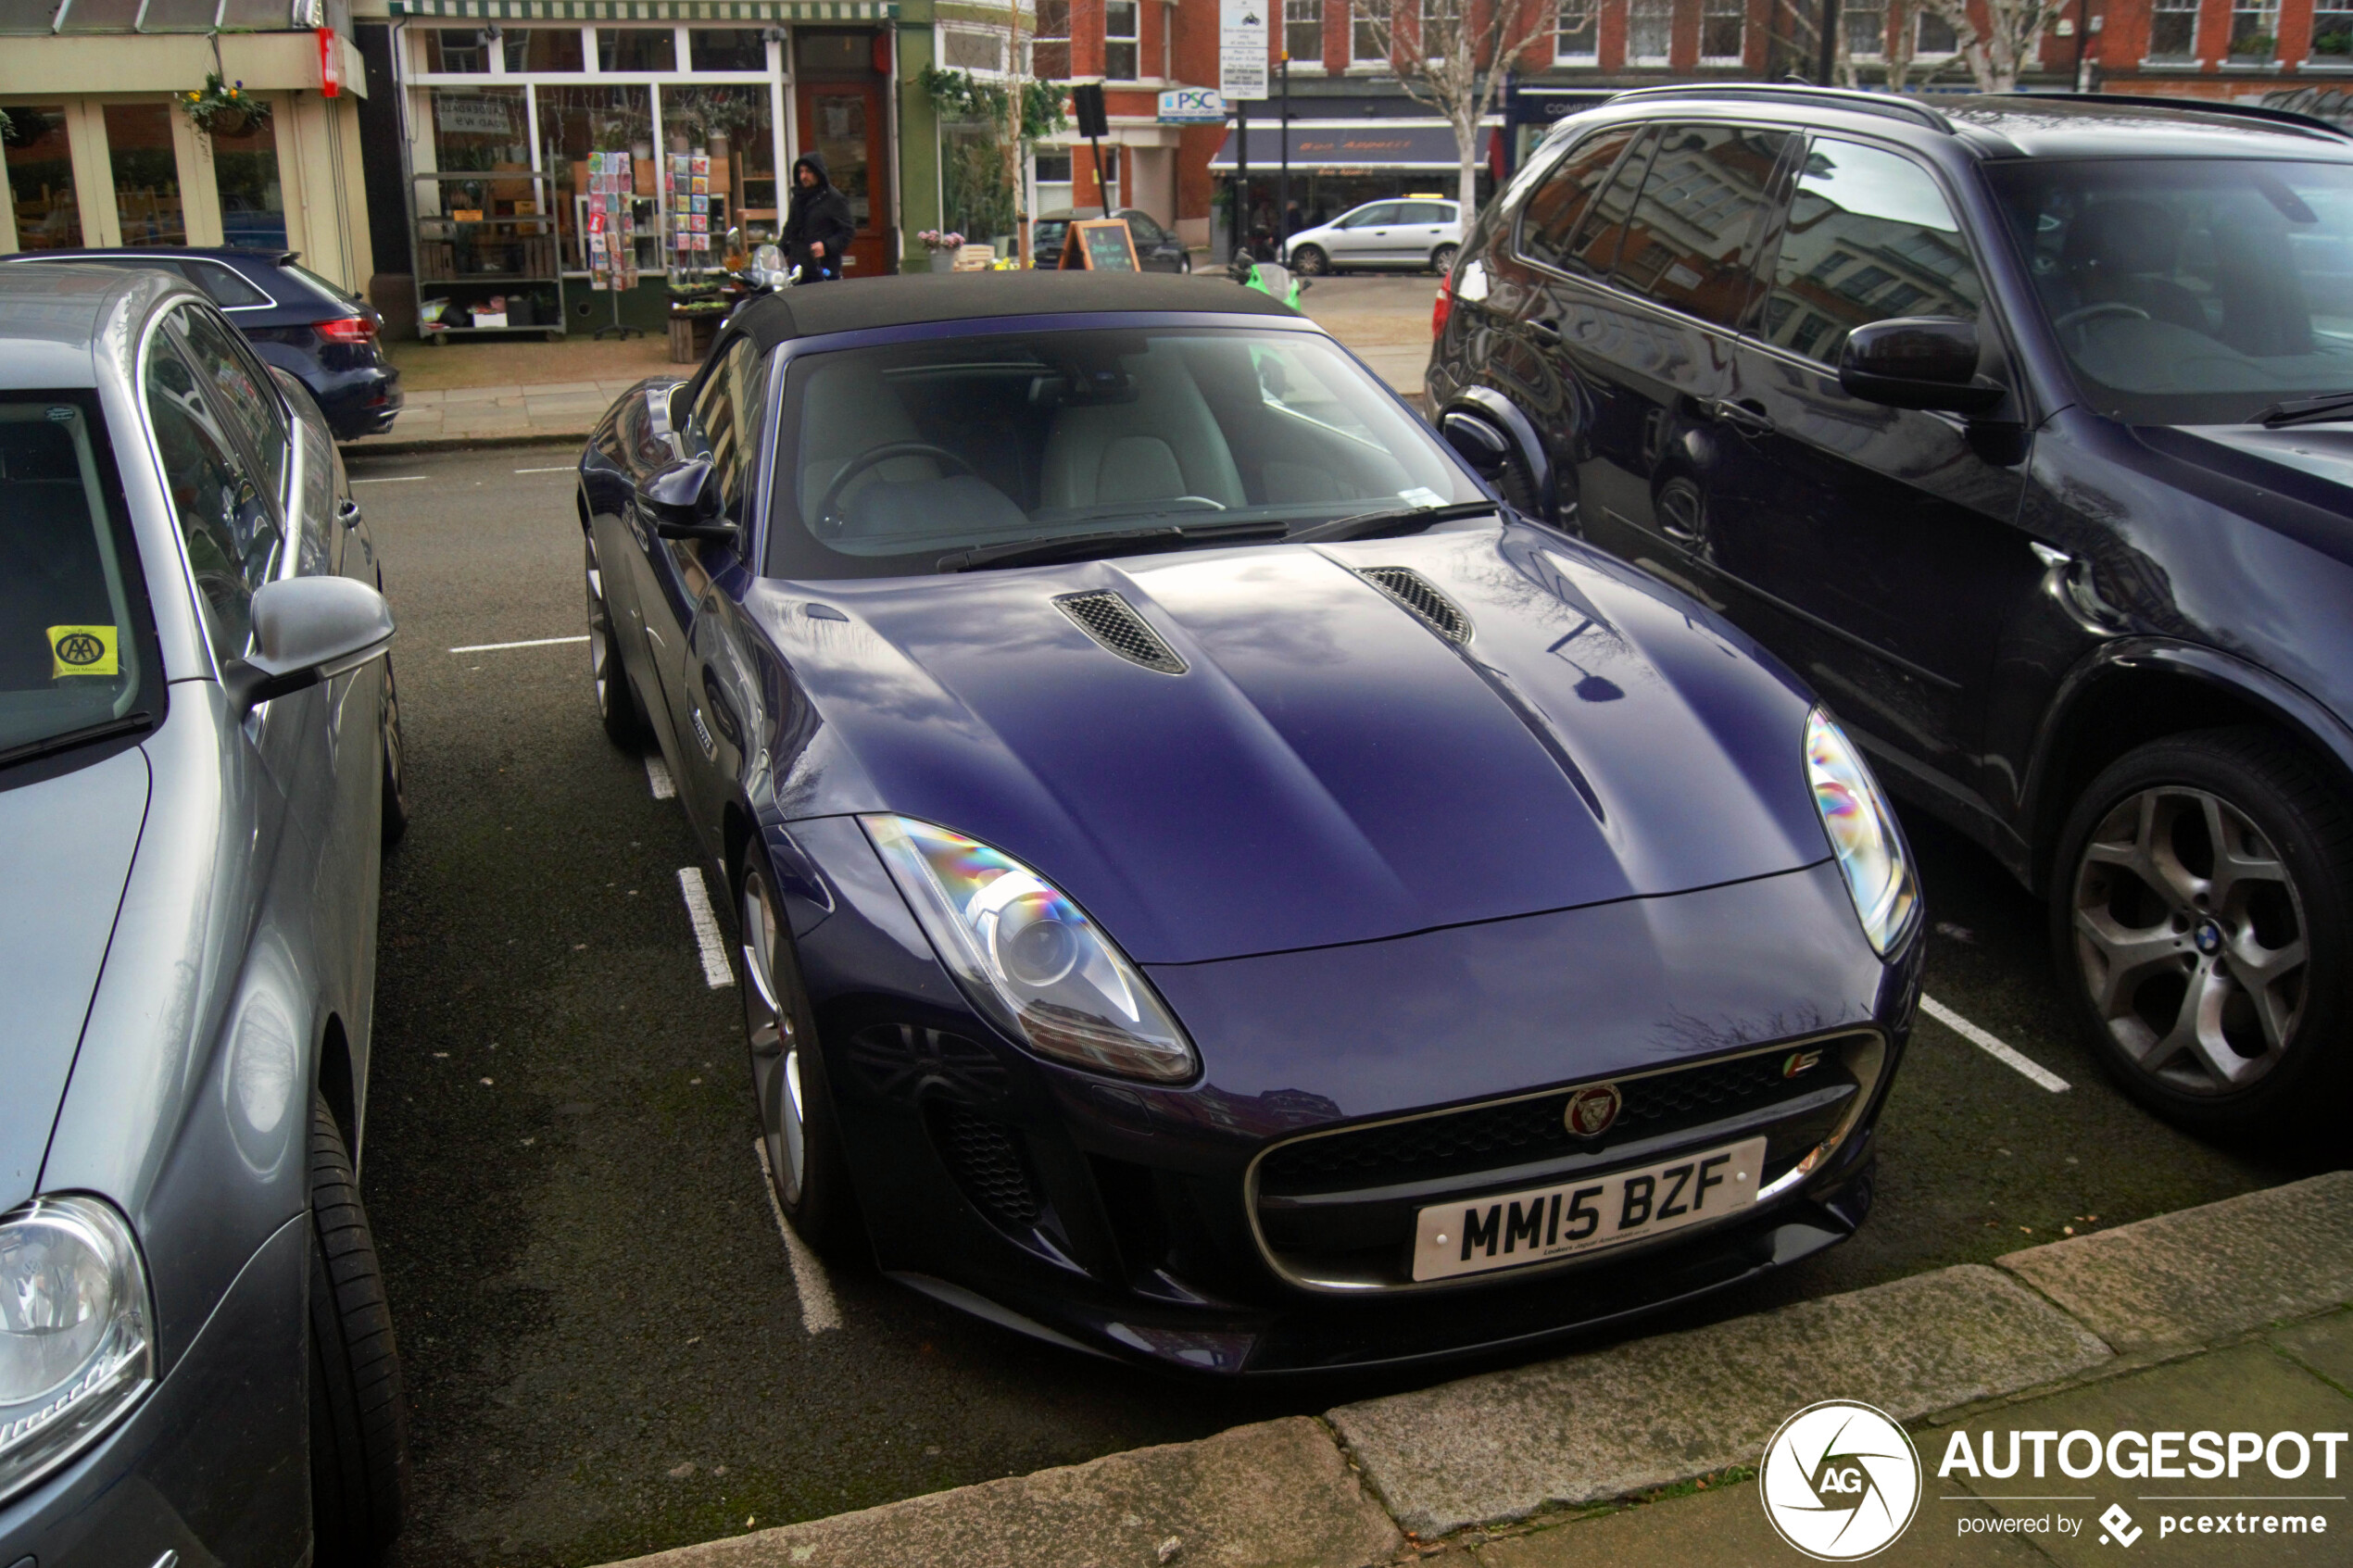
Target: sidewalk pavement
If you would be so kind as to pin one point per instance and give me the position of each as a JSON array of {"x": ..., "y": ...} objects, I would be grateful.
[{"x": 2227, "y": 1318}]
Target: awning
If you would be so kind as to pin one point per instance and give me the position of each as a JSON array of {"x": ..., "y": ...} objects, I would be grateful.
[
  {"x": 1399, "y": 145},
  {"x": 653, "y": 10}
]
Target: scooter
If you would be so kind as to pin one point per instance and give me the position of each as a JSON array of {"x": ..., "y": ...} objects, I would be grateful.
[
  {"x": 766, "y": 275},
  {"x": 1271, "y": 278}
]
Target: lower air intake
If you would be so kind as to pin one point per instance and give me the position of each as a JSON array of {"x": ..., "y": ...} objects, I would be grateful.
[
  {"x": 1114, "y": 622},
  {"x": 986, "y": 1159},
  {"x": 1419, "y": 594}
]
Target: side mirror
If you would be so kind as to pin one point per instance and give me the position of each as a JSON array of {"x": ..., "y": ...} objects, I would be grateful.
[
  {"x": 307, "y": 630},
  {"x": 685, "y": 501},
  {"x": 1917, "y": 362},
  {"x": 1485, "y": 449}
]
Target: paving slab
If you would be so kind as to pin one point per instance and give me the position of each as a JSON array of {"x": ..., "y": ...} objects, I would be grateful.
[
  {"x": 1728, "y": 1526},
  {"x": 2246, "y": 1388},
  {"x": 2325, "y": 1346},
  {"x": 1653, "y": 1412},
  {"x": 1275, "y": 1494},
  {"x": 2209, "y": 1273}
]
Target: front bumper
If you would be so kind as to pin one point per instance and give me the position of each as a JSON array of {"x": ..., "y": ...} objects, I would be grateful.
[
  {"x": 1134, "y": 1220},
  {"x": 214, "y": 1463}
]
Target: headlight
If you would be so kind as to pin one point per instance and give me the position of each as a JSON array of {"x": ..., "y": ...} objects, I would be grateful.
[
  {"x": 1031, "y": 958},
  {"x": 1862, "y": 832},
  {"x": 76, "y": 1350}
]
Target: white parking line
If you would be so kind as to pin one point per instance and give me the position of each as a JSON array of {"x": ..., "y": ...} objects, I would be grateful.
[
  {"x": 392, "y": 479},
  {"x": 2034, "y": 1070},
  {"x": 529, "y": 642},
  {"x": 559, "y": 467},
  {"x": 658, "y": 775},
  {"x": 818, "y": 1312},
  {"x": 715, "y": 968}
]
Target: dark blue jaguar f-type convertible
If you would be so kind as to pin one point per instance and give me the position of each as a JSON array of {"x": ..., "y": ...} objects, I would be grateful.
[{"x": 1213, "y": 886}]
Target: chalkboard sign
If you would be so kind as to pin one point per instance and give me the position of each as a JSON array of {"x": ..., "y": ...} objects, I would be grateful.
[{"x": 1101, "y": 244}]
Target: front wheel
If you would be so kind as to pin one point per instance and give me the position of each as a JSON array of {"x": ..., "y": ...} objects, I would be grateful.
[
  {"x": 1442, "y": 260},
  {"x": 1309, "y": 261},
  {"x": 359, "y": 1424},
  {"x": 396, "y": 783},
  {"x": 616, "y": 700},
  {"x": 2201, "y": 912},
  {"x": 795, "y": 1103}
]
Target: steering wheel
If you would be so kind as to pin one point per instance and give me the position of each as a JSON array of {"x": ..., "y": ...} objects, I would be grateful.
[
  {"x": 2093, "y": 312},
  {"x": 829, "y": 525}
]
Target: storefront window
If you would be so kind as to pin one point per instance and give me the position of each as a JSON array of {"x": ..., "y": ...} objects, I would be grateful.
[
  {"x": 577, "y": 121},
  {"x": 729, "y": 48},
  {"x": 253, "y": 204},
  {"x": 41, "y": 179},
  {"x": 976, "y": 181},
  {"x": 637, "y": 48},
  {"x": 456, "y": 49},
  {"x": 147, "y": 174},
  {"x": 734, "y": 128},
  {"x": 532, "y": 49}
]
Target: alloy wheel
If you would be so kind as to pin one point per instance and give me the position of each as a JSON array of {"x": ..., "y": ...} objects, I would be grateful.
[
  {"x": 775, "y": 1045},
  {"x": 2190, "y": 937},
  {"x": 599, "y": 633},
  {"x": 1309, "y": 261}
]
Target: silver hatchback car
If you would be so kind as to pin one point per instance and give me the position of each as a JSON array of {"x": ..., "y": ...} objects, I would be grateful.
[{"x": 199, "y": 764}]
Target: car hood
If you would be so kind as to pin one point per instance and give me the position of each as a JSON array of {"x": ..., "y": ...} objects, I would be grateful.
[
  {"x": 1326, "y": 769},
  {"x": 2309, "y": 463},
  {"x": 65, "y": 847}
]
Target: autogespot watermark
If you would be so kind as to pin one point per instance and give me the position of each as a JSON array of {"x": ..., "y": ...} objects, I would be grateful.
[{"x": 1840, "y": 1481}]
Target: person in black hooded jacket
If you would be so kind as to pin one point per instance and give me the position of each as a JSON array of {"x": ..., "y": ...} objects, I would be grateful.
[{"x": 818, "y": 227}]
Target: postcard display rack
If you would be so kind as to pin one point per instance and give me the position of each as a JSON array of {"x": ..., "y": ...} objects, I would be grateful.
[
  {"x": 694, "y": 203},
  {"x": 490, "y": 250}
]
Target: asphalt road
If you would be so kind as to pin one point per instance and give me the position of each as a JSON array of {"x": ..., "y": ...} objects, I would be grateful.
[{"x": 605, "y": 1350}]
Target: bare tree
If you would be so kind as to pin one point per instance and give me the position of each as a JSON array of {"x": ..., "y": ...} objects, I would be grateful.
[
  {"x": 1894, "y": 21},
  {"x": 1452, "y": 54},
  {"x": 2010, "y": 42}
]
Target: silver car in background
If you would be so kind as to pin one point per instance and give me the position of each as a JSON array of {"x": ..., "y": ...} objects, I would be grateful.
[
  {"x": 1406, "y": 232},
  {"x": 199, "y": 764}
]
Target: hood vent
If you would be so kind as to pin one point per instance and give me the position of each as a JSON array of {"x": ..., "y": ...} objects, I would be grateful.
[
  {"x": 1114, "y": 622},
  {"x": 1419, "y": 594}
]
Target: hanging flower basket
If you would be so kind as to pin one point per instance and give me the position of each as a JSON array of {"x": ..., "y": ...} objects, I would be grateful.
[{"x": 224, "y": 109}]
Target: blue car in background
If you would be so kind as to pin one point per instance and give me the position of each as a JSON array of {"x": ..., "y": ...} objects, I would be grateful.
[
  {"x": 295, "y": 319},
  {"x": 1213, "y": 886}
]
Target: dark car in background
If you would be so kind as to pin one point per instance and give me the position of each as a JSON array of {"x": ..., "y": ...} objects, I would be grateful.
[
  {"x": 1157, "y": 249},
  {"x": 2022, "y": 427},
  {"x": 295, "y": 320}
]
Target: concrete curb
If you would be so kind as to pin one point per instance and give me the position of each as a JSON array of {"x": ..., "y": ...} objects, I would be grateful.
[
  {"x": 1648, "y": 1413},
  {"x": 395, "y": 446}
]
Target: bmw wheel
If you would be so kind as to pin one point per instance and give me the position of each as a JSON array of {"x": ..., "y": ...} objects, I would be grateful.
[
  {"x": 1442, "y": 260},
  {"x": 616, "y": 702},
  {"x": 2202, "y": 909},
  {"x": 788, "y": 1076},
  {"x": 396, "y": 788},
  {"x": 1309, "y": 261}
]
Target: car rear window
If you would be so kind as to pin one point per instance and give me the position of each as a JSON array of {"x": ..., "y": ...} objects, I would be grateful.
[{"x": 227, "y": 286}]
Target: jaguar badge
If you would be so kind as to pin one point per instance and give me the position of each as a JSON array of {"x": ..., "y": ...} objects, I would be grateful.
[{"x": 1590, "y": 1110}]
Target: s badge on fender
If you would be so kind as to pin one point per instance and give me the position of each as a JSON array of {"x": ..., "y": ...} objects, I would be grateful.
[{"x": 1590, "y": 1110}]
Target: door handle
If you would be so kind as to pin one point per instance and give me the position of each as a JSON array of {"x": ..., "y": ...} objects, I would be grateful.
[
  {"x": 1746, "y": 416},
  {"x": 348, "y": 510}
]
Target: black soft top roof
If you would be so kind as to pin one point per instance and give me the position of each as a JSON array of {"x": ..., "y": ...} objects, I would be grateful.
[{"x": 864, "y": 303}]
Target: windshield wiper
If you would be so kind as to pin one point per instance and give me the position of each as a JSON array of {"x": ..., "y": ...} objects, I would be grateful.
[
  {"x": 1366, "y": 525},
  {"x": 2305, "y": 411},
  {"x": 1122, "y": 541},
  {"x": 49, "y": 746}
]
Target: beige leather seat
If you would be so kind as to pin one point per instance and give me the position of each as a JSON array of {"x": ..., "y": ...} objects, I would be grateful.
[
  {"x": 849, "y": 409},
  {"x": 1162, "y": 444}
]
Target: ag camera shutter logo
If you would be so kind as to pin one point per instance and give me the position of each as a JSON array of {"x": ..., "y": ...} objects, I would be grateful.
[{"x": 1840, "y": 1481}]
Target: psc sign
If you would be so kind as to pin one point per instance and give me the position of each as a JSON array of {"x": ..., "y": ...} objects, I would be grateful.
[{"x": 82, "y": 650}]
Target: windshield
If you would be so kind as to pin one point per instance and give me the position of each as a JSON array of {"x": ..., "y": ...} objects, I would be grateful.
[
  {"x": 897, "y": 456},
  {"x": 70, "y": 644},
  {"x": 2191, "y": 290}
]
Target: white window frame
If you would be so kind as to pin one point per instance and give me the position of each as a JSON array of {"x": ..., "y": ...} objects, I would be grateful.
[
  {"x": 1357, "y": 9},
  {"x": 1134, "y": 40},
  {"x": 2265, "y": 16},
  {"x": 1921, "y": 53},
  {"x": 1303, "y": 13},
  {"x": 1565, "y": 56},
  {"x": 2342, "y": 11},
  {"x": 1717, "y": 10},
  {"x": 1649, "y": 10},
  {"x": 1037, "y": 37},
  {"x": 1878, "y": 51},
  {"x": 1001, "y": 37}
]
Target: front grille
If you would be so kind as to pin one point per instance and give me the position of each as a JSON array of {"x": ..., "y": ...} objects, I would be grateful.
[
  {"x": 1520, "y": 1132},
  {"x": 1419, "y": 594},
  {"x": 1112, "y": 621},
  {"x": 986, "y": 1159}
]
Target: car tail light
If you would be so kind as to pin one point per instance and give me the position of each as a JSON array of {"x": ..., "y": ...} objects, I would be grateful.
[
  {"x": 345, "y": 329},
  {"x": 1441, "y": 309}
]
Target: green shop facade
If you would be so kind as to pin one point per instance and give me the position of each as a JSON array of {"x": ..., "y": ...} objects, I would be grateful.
[{"x": 545, "y": 167}]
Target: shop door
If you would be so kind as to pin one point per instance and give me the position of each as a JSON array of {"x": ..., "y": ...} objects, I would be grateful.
[{"x": 842, "y": 121}]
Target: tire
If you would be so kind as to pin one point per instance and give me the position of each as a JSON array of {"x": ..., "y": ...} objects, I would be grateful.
[
  {"x": 1185, "y": 265},
  {"x": 789, "y": 1087},
  {"x": 2156, "y": 951},
  {"x": 1442, "y": 260},
  {"x": 1309, "y": 261},
  {"x": 395, "y": 785},
  {"x": 358, "y": 1423},
  {"x": 607, "y": 673}
]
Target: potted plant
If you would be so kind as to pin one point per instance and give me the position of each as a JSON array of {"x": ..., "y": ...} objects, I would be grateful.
[
  {"x": 224, "y": 109},
  {"x": 943, "y": 246}
]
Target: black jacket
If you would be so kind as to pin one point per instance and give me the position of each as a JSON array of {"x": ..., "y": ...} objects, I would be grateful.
[{"x": 817, "y": 213}]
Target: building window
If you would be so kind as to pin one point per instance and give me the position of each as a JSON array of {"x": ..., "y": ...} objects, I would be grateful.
[
  {"x": 1650, "y": 31},
  {"x": 637, "y": 48},
  {"x": 1933, "y": 37},
  {"x": 2332, "y": 32},
  {"x": 1050, "y": 51},
  {"x": 2174, "y": 31},
  {"x": 456, "y": 50},
  {"x": 253, "y": 204},
  {"x": 1303, "y": 32},
  {"x": 532, "y": 49},
  {"x": 2254, "y": 32},
  {"x": 1442, "y": 27},
  {"x": 729, "y": 48},
  {"x": 1723, "y": 32},
  {"x": 41, "y": 179},
  {"x": 1368, "y": 33},
  {"x": 145, "y": 165},
  {"x": 1866, "y": 30},
  {"x": 1577, "y": 39},
  {"x": 1119, "y": 39},
  {"x": 968, "y": 49}
]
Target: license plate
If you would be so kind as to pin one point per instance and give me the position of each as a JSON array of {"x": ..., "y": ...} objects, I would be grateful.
[{"x": 1508, "y": 1230}]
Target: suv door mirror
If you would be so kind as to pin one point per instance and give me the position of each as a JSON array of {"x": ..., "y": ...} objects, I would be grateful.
[
  {"x": 1481, "y": 444},
  {"x": 1917, "y": 362},
  {"x": 307, "y": 630},
  {"x": 685, "y": 501}
]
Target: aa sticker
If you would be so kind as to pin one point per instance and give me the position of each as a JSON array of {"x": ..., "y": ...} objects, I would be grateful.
[{"x": 82, "y": 650}]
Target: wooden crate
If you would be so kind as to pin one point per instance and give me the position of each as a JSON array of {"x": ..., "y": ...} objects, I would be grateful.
[{"x": 690, "y": 337}]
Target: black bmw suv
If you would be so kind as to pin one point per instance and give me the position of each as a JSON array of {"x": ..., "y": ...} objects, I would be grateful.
[{"x": 2022, "y": 427}]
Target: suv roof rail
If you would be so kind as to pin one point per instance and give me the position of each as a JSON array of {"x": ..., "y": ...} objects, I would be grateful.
[
  {"x": 1825, "y": 97},
  {"x": 2200, "y": 106}
]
